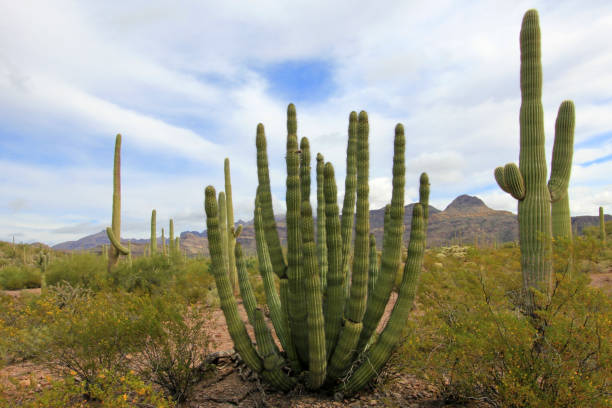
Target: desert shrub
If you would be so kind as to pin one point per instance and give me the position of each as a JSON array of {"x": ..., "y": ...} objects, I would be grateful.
[
  {"x": 158, "y": 274},
  {"x": 173, "y": 350},
  {"x": 110, "y": 391},
  {"x": 23, "y": 324},
  {"x": 474, "y": 343},
  {"x": 14, "y": 277},
  {"x": 81, "y": 269},
  {"x": 92, "y": 334},
  {"x": 194, "y": 282}
]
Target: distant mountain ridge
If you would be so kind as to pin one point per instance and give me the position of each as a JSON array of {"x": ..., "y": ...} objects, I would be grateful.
[{"x": 467, "y": 219}]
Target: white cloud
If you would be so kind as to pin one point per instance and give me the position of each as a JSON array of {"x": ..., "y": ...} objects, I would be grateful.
[{"x": 183, "y": 83}]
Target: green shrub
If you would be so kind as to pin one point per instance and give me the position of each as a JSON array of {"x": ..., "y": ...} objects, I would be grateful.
[
  {"x": 14, "y": 277},
  {"x": 173, "y": 350},
  {"x": 81, "y": 269},
  {"x": 474, "y": 343},
  {"x": 92, "y": 334},
  {"x": 109, "y": 391}
]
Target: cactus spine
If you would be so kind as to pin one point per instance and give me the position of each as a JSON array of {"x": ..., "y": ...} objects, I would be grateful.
[
  {"x": 114, "y": 232},
  {"x": 602, "y": 225},
  {"x": 527, "y": 182},
  {"x": 153, "y": 232},
  {"x": 322, "y": 338}
]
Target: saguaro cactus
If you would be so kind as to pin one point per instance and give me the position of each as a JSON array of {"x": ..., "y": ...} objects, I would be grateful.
[
  {"x": 333, "y": 342},
  {"x": 171, "y": 238},
  {"x": 527, "y": 182},
  {"x": 153, "y": 232},
  {"x": 602, "y": 225},
  {"x": 114, "y": 232}
]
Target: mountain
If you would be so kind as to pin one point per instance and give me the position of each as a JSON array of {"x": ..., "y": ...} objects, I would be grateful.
[{"x": 466, "y": 220}]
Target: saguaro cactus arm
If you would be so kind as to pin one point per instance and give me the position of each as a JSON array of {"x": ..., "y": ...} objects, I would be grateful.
[
  {"x": 563, "y": 151},
  {"x": 321, "y": 236},
  {"x": 115, "y": 242}
]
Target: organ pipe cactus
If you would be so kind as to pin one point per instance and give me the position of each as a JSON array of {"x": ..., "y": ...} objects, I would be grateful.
[
  {"x": 329, "y": 338},
  {"x": 602, "y": 225},
  {"x": 527, "y": 182},
  {"x": 114, "y": 232}
]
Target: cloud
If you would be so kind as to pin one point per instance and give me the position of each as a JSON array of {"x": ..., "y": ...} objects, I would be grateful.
[{"x": 186, "y": 86}]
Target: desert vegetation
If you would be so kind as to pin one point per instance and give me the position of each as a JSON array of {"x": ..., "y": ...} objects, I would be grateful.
[{"x": 333, "y": 317}]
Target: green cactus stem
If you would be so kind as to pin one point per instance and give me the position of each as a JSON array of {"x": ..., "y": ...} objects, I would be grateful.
[
  {"x": 392, "y": 243},
  {"x": 335, "y": 277},
  {"x": 246, "y": 290},
  {"x": 356, "y": 306},
  {"x": 236, "y": 327},
  {"x": 379, "y": 353},
  {"x": 297, "y": 300},
  {"x": 153, "y": 232},
  {"x": 224, "y": 233},
  {"x": 231, "y": 237},
  {"x": 263, "y": 175},
  {"x": 602, "y": 225},
  {"x": 348, "y": 207},
  {"x": 171, "y": 238},
  {"x": 317, "y": 362},
  {"x": 527, "y": 182},
  {"x": 373, "y": 269},
  {"x": 273, "y": 363},
  {"x": 321, "y": 236}
]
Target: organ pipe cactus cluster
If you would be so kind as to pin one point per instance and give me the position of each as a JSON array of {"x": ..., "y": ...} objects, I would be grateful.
[
  {"x": 327, "y": 338},
  {"x": 114, "y": 232},
  {"x": 527, "y": 181}
]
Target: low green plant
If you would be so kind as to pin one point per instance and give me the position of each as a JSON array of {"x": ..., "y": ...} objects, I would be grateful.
[
  {"x": 172, "y": 353},
  {"x": 109, "y": 391},
  {"x": 475, "y": 343},
  {"x": 93, "y": 334},
  {"x": 81, "y": 269},
  {"x": 13, "y": 277}
]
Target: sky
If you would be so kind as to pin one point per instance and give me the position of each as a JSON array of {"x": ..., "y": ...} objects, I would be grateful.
[{"x": 186, "y": 84}]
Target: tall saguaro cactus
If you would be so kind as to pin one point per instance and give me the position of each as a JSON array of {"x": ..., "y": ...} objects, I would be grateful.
[
  {"x": 527, "y": 182},
  {"x": 153, "y": 232},
  {"x": 602, "y": 225},
  {"x": 114, "y": 232},
  {"x": 333, "y": 341}
]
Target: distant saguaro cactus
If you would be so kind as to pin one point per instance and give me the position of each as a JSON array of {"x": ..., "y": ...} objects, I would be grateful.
[
  {"x": 114, "y": 232},
  {"x": 153, "y": 232},
  {"x": 602, "y": 225},
  {"x": 527, "y": 182}
]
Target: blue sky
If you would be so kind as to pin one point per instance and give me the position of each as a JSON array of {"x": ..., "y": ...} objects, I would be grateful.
[{"x": 186, "y": 85}]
